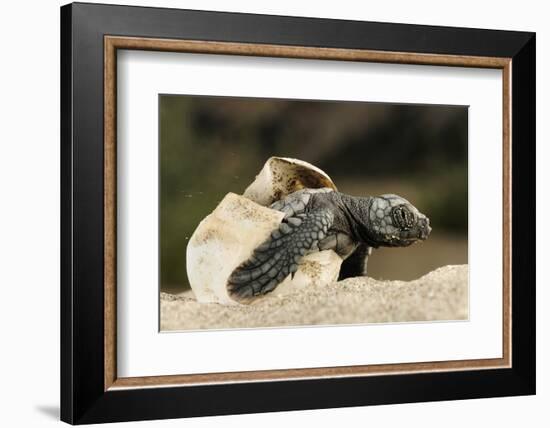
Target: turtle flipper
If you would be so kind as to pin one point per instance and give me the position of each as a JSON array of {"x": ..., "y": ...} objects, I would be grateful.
[
  {"x": 356, "y": 263},
  {"x": 279, "y": 255}
]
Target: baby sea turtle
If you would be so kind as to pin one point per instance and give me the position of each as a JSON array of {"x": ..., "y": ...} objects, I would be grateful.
[{"x": 325, "y": 219}]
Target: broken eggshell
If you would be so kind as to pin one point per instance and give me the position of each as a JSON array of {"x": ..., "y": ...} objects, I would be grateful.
[
  {"x": 282, "y": 176},
  {"x": 229, "y": 235}
]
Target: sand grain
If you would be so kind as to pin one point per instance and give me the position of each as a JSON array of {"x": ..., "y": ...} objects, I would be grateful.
[{"x": 439, "y": 295}]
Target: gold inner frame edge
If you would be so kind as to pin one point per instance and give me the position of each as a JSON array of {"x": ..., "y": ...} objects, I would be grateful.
[{"x": 113, "y": 43}]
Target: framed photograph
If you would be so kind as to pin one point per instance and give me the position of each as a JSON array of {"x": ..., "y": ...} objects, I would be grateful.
[{"x": 266, "y": 213}]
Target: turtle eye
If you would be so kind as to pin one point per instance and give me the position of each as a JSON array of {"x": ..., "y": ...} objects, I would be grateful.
[{"x": 403, "y": 218}]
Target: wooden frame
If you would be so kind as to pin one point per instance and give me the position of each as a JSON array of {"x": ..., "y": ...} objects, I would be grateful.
[
  {"x": 112, "y": 43},
  {"x": 511, "y": 52}
]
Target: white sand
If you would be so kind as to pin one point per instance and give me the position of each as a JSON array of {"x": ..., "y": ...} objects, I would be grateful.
[{"x": 439, "y": 295}]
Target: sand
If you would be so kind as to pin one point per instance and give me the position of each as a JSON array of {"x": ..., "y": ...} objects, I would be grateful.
[{"x": 439, "y": 295}]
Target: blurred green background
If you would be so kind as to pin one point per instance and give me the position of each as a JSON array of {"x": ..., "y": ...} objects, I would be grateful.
[{"x": 210, "y": 146}]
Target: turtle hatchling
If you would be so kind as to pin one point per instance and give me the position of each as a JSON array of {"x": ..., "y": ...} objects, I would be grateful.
[{"x": 325, "y": 219}]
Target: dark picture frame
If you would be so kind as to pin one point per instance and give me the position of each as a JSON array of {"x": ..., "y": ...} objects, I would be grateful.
[{"x": 90, "y": 389}]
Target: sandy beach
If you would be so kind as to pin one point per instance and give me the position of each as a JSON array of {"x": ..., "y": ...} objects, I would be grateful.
[{"x": 440, "y": 295}]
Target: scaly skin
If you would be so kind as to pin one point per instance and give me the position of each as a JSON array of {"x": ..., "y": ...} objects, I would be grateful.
[{"x": 322, "y": 219}]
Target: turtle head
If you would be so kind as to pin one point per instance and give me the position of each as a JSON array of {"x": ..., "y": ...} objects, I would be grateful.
[{"x": 395, "y": 222}]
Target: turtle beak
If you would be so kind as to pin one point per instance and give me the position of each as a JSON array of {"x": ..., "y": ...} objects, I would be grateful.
[{"x": 425, "y": 229}]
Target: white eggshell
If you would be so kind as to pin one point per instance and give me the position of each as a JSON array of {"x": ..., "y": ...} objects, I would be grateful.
[
  {"x": 281, "y": 176},
  {"x": 315, "y": 270},
  {"x": 228, "y": 236},
  {"x": 222, "y": 241}
]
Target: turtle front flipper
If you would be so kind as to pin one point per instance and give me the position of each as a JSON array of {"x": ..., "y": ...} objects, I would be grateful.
[
  {"x": 356, "y": 263},
  {"x": 279, "y": 255}
]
